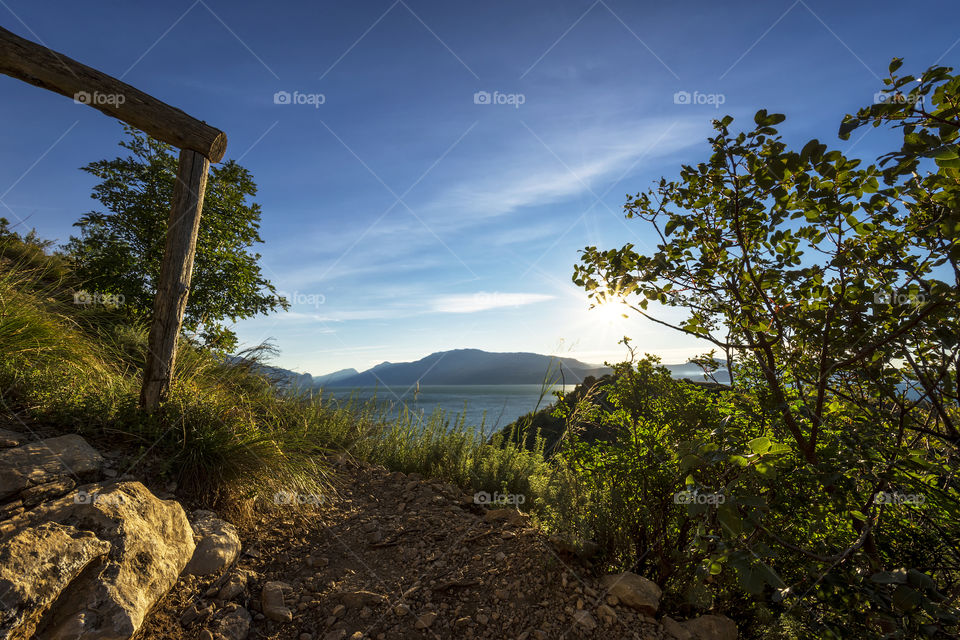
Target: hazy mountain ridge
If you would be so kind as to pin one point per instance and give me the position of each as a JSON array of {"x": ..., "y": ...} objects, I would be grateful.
[
  {"x": 473, "y": 366},
  {"x": 466, "y": 367}
]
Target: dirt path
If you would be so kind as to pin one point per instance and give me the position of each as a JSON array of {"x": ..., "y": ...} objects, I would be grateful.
[{"x": 398, "y": 557}]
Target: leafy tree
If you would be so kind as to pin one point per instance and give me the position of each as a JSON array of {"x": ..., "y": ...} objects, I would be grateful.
[
  {"x": 119, "y": 252},
  {"x": 833, "y": 291}
]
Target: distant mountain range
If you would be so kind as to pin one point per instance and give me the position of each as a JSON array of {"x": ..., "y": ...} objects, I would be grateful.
[
  {"x": 464, "y": 367},
  {"x": 473, "y": 366}
]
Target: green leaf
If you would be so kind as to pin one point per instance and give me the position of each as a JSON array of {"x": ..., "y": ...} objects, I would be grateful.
[
  {"x": 920, "y": 579},
  {"x": 905, "y": 598},
  {"x": 730, "y": 519},
  {"x": 766, "y": 470},
  {"x": 848, "y": 125},
  {"x": 754, "y": 577},
  {"x": 760, "y": 445}
]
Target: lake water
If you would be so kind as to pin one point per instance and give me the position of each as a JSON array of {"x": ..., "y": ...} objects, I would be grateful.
[{"x": 493, "y": 405}]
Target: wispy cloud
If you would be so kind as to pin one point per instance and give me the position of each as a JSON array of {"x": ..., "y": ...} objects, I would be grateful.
[
  {"x": 558, "y": 166},
  {"x": 483, "y": 301}
]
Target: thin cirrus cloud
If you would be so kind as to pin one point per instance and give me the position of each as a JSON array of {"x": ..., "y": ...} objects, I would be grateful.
[
  {"x": 545, "y": 170},
  {"x": 483, "y": 301}
]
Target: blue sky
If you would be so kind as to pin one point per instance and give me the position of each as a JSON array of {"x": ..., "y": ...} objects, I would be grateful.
[{"x": 462, "y": 153}]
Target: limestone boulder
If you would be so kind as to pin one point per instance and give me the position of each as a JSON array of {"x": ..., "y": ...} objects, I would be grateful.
[
  {"x": 218, "y": 544},
  {"x": 42, "y": 462},
  {"x": 36, "y": 565},
  {"x": 150, "y": 543}
]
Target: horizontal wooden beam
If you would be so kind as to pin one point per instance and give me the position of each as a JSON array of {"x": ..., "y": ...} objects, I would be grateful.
[{"x": 48, "y": 69}]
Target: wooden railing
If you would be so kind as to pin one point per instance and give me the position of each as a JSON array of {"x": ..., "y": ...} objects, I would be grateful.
[{"x": 199, "y": 144}]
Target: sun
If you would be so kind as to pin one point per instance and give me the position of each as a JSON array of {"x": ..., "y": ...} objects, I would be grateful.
[{"x": 608, "y": 312}]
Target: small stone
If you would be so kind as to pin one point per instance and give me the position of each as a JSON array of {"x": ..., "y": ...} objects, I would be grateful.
[
  {"x": 189, "y": 615},
  {"x": 306, "y": 636},
  {"x": 401, "y": 610},
  {"x": 218, "y": 544},
  {"x": 584, "y": 619},
  {"x": 425, "y": 620},
  {"x": 634, "y": 591},
  {"x": 272, "y": 603},
  {"x": 605, "y": 611},
  {"x": 234, "y": 626},
  {"x": 338, "y": 611},
  {"x": 509, "y": 516}
]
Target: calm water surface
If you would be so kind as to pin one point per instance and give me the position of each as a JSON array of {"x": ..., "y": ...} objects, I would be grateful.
[{"x": 492, "y": 405}]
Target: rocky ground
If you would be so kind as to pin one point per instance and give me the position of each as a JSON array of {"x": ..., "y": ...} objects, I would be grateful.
[{"x": 391, "y": 556}]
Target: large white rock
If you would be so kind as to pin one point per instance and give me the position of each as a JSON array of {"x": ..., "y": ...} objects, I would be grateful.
[
  {"x": 633, "y": 591},
  {"x": 217, "y": 544},
  {"x": 40, "y": 462},
  {"x": 150, "y": 543},
  {"x": 36, "y": 565}
]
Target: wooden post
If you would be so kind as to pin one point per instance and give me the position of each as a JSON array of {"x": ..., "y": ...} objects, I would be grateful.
[{"x": 175, "y": 272}]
